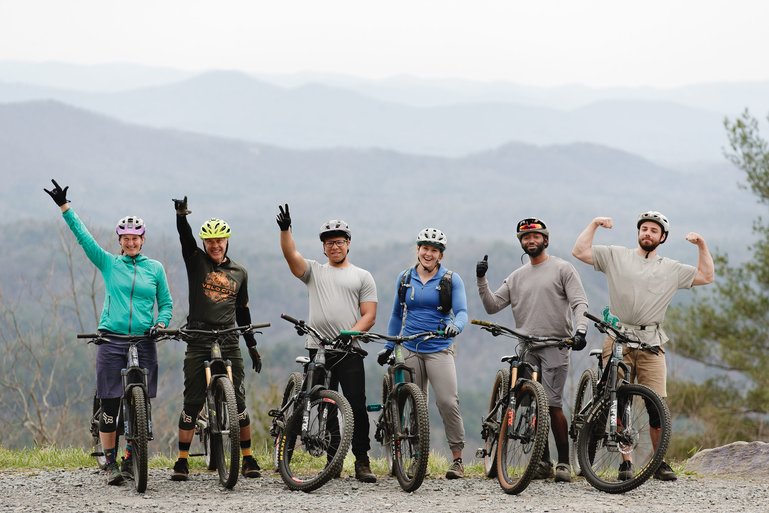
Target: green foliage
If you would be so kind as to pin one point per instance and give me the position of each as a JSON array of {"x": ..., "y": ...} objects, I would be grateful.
[{"x": 728, "y": 328}]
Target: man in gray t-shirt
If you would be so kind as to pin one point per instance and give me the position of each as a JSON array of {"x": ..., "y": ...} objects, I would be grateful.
[
  {"x": 641, "y": 287},
  {"x": 342, "y": 297},
  {"x": 545, "y": 295}
]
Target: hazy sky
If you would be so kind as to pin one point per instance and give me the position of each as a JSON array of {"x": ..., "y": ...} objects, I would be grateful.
[{"x": 599, "y": 43}]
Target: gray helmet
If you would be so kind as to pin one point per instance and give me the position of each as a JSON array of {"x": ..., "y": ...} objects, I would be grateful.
[
  {"x": 432, "y": 237},
  {"x": 335, "y": 228},
  {"x": 655, "y": 217}
]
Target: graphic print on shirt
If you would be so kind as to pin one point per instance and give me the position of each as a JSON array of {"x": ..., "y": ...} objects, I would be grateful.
[{"x": 219, "y": 287}]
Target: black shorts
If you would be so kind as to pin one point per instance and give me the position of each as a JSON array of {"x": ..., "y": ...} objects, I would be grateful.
[{"x": 195, "y": 375}]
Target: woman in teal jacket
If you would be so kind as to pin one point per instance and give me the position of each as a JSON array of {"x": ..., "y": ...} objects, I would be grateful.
[{"x": 133, "y": 285}]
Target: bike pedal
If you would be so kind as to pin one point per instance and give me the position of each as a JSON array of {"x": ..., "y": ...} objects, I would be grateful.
[
  {"x": 96, "y": 454},
  {"x": 373, "y": 407},
  {"x": 198, "y": 454},
  {"x": 480, "y": 453}
]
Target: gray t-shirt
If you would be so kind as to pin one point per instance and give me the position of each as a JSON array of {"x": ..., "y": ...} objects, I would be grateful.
[
  {"x": 641, "y": 289},
  {"x": 543, "y": 297},
  {"x": 335, "y": 296}
]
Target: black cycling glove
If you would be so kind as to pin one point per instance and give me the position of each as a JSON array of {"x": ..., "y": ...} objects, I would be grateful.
[
  {"x": 383, "y": 356},
  {"x": 181, "y": 207},
  {"x": 58, "y": 194},
  {"x": 284, "y": 218},
  {"x": 579, "y": 340},
  {"x": 482, "y": 266}
]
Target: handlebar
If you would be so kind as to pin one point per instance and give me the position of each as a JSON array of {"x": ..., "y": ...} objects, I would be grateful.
[
  {"x": 498, "y": 329},
  {"x": 248, "y": 328},
  {"x": 367, "y": 336},
  {"x": 605, "y": 327}
]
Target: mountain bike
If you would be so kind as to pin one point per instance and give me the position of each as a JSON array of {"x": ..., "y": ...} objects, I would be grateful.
[
  {"x": 217, "y": 423},
  {"x": 313, "y": 426},
  {"x": 614, "y": 422},
  {"x": 135, "y": 409},
  {"x": 516, "y": 428},
  {"x": 403, "y": 427}
]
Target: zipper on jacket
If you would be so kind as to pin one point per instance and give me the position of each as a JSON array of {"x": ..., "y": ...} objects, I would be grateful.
[{"x": 131, "y": 297}]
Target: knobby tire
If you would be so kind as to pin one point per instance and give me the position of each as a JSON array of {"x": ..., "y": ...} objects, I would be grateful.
[
  {"x": 586, "y": 390},
  {"x": 140, "y": 429},
  {"x": 412, "y": 448},
  {"x": 225, "y": 432},
  {"x": 491, "y": 430}
]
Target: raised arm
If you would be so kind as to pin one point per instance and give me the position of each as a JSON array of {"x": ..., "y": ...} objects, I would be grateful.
[
  {"x": 705, "y": 267},
  {"x": 294, "y": 259},
  {"x": 189, "y": 246},
  {"x": 583, "y": 247}
]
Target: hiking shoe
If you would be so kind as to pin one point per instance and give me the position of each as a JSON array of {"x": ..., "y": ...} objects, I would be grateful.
[
  {"x": 127, "y": 468},
  {"x": 665, "y": 473},
  {"x": 363, "y": 472},
  {"x": 114, "y": 476},
  {"x": 625, "y": 471},
  {"x": 456, "y": 470},
  {"x": 250, "y": 467},
  {"x": 563, "y": 473},
  {"x": 181, "y": 470},
  {"x": 544, "y": 470}
]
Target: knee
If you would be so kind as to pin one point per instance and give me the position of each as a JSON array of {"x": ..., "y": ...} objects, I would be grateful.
[
  {"x": 109, "y": 414},
  {"x": 188, "y": 416},
  {"x": 243, "y": 419}
]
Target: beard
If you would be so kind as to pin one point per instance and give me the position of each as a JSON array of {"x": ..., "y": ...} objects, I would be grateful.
[
  {"x": 648, "y": 245},
  {"x": 534, "y": 251}
]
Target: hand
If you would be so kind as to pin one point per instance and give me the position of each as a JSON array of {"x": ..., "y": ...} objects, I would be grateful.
[
  {"x": 482, "y": 266},
  {"x": 694, "y": 238},
  {"x": 578, "y": 340},
  {"x": 284, "y": 218},
  {"x": 451, "y": 331},
  {"x": 383, "y": 356},
  {"x": 181, "y": 207},
  {"x": 58, "y": 194},
  {"x": 256, "y": 360},
  {"x": 153, "y": 331},
  {"x": 605, "y": 222}
]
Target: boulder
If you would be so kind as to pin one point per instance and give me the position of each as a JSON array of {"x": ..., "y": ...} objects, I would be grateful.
[{"x": 749, "y": 459}]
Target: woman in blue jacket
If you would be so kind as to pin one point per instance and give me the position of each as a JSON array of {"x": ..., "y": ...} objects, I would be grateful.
[
  {"x": 422, "y": 303},
  {"x": 133, "y": 284}
]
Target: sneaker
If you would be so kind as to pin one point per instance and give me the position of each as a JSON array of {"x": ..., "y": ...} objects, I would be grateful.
[
  {"x": 127, "y": 468},
  {"x": 456, "y": 470},
  {"x": 665, "y": 473},
  {"x": 250, "y": 467},
  {"x": 114, "y": 476},
  {"x": 181, "y": 470},
  {"x": 563, "y": 473},
  {"x": 625, "y": 471},
  {"x": 544, "y": 470},
  {"x": 363, "y": 472}
]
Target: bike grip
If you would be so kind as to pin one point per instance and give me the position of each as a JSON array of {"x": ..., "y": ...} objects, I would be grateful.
[
  {"x": 593, "y": 318},
  {"x": 481, "y": 323},
  {"x": 289, "y": 319},
  {"x": 351, "y": 333},
  {"x": 257, "y": 326},
  {"x": 87, "y": 335},
  {"x": 167, "y": 331}
]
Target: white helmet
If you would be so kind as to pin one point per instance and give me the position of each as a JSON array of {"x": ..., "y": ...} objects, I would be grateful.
[
  {"x": 335, "y": 228},
  {"x": 432, "y": 237},
  {"x": 655, "y": 217}
]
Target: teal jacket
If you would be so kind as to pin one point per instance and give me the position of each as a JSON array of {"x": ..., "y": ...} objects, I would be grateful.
[{"x": 132, "y": 285}]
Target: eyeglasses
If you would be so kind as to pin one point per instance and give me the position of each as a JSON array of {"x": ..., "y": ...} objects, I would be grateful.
[{"x": 331, "y": 243}]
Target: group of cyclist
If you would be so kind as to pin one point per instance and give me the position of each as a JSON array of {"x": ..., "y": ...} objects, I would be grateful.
[{"x": 545, "y": 295}]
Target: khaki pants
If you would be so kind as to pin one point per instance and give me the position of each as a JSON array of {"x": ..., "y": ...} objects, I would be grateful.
[
  {"x": 439, "y": 370},
  {"x": 646, "y": 368}
]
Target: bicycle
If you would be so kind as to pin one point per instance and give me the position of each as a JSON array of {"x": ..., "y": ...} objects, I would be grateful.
[
  {"x": 217, "y": 424},
  {"x": 516, "y": 428},
  {"x": 403, "y": 427},
  {"x": 313, "y": 426},
  {"x": 135, "y": 410},
  {"x": 613, "y": 420}
]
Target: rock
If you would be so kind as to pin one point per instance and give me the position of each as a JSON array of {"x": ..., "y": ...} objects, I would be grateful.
[{"x": 748, "y": 459}]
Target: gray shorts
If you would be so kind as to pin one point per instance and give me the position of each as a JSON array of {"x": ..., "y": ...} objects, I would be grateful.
[{"x": 553, "y": 370}]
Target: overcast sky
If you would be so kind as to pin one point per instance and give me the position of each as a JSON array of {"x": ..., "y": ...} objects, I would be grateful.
[{"x": 660, "y": 43}]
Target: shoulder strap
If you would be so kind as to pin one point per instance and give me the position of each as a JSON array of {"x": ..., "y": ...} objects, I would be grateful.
[
  {"x": 444, "y": 292},
  {"x": 405, "y": 282}
]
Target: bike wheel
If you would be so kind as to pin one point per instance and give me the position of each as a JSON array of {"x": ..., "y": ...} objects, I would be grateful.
[
  {"x": 312, "y": 453},
  {"x": 225, "y": 432},
  {"x": 386, "y": 426},
  {"x": 586, "y": 390},
  {"x": 601, "y": 453},
  {"x": 522, "y": 438},
  {"x": 97, "y": 451},
  {"x": 140, "y": 429},
  {"x": 490, "y": 429},
  {"x": 412, "y": 437},
  {"x": 293, "y": 387}
]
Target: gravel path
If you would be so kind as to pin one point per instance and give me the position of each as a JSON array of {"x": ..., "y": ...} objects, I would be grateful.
[{"x": 84, "y": 491}]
